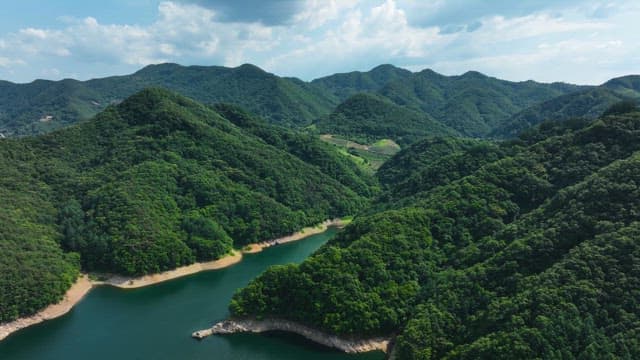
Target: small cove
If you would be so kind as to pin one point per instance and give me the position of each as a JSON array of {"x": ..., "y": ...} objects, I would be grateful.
[{"x": 156, "y": 322}]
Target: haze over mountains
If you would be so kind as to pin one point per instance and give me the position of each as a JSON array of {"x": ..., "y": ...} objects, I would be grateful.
[{"x": 471, "y": 104}]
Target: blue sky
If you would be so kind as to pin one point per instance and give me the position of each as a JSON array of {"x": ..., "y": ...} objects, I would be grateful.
[{"x": 586, "y": 42}]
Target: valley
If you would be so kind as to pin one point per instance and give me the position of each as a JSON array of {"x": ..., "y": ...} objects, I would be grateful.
[{"x": 483, "y": 216}]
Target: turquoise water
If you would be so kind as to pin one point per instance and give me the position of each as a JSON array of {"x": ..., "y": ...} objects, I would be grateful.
[{"x": 156, "y": 322}]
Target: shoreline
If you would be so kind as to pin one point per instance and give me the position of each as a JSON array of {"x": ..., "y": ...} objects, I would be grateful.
[
  {"x": 76, "y": 292},
  {"x": 298, "y": 235},
  {"x": 130, "y": 282},
  {"x": 83, "y": 284},
  {"x": 351, "y": 346}
]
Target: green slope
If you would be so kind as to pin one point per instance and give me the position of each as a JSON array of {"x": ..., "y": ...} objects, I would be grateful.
[
  {"x": 530, "y": 254},
  {"x": 588, "y": 104},
  {"x": 343, "y": 86},
  {"x": 472, "y": 103},
  {"x": 367, "y": 118},
  {"x": 284, "y": 101},
  {"x": 157, "y": 182}
]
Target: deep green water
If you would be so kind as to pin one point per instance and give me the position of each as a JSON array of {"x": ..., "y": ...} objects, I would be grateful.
[{"x": 156, "y": 322}]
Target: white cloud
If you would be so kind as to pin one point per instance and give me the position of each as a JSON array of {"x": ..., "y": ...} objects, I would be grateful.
[
  {"x": 6, "y": 62},
  {"x": 572, "y": 41}
]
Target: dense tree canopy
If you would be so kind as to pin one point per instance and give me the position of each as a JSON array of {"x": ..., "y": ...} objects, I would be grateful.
[
  {"x": 527, "y": 249},
  {"x": 157, "y": 182}
]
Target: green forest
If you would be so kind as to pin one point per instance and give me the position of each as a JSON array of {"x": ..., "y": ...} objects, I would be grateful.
[
  {"x": 157, "y": 182},
  {"x": 521, "y": 249},
  {"x": 492, "y": 219},
  {"x": 385, "y": 102}
]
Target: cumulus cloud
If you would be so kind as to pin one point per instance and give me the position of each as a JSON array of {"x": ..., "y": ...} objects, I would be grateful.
[{"x": 567, "y": 40}]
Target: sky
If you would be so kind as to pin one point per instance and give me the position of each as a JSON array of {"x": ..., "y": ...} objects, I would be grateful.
[{"x": 576, "y": 41}]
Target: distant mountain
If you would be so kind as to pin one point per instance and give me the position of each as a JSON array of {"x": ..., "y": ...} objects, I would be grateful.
[
  {"x": 42, "y": 106},
  {"x": 157, "y": 182},
  {"x": 344, "y": 85},
  {"x": 628, "y": 86},
  {"x": 589, "y": 103},
  {"x": 369, "y": 117},
  {"x": 472, "y": 103}
]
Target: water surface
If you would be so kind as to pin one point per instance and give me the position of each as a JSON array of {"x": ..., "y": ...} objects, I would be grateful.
[{"x": 156, "y": 322}]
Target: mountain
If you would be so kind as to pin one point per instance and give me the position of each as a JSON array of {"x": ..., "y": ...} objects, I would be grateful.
[
  {"x": 472, "y": 103},
  {"x": 628, "y": 86},
  {"x": 527, "y": 249},
  {"x": 42, "y": 106},
  {"x": 344, "y": 85},
  {"x": 368, "y": 117},
  {"x": 589, "y": 104},
  {"x": 153, "y": 183}
]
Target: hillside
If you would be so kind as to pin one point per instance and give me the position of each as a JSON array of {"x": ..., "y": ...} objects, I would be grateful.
[
  {"x": 527, "y": 250},
  {"x": 367, "y": 118},
  {"x": 157, "y": 182},
  {"x": 345, "y": 85},
  {"x": 280, "y": 100},
  {"x": 472, "y": 104},
  {"x": 588, "y": 104}
]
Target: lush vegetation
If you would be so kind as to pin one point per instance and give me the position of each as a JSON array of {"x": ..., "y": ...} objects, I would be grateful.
[
  {"x": 525, "y": 249},
  {"x": 410, "y": 105},
  {"x": 367, "y": 118},
  {"x": 157, "y": 182},
  {"x": 286, "y": 101},
  {"x": 386, "y": 102},
  {"x": 368, "y": 156},
  {"x": 35, "y": 271},
  {"x": 587, "y": 103},
  {"x": 343, "y": 86},
  {"x": 463, "y": 248}
]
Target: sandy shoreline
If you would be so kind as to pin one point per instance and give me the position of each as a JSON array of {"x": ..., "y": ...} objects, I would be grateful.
[
  {"x": 306, "y": 232},
  {"x": 83, "y": 285},
  {"x": 126, "y": 282},
  {"x": 75, "y": 293}
]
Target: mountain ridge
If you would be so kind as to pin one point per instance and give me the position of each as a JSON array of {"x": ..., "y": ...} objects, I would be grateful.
[{"x": 474, "y": 104}]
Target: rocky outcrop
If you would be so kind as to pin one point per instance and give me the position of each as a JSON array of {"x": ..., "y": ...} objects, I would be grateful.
[{"x": 232, "y": 326}]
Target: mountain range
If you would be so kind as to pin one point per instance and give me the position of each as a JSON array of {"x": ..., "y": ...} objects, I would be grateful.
[
  {"x": 472, "y": 104},
  {"x": 505, "y": 225}
]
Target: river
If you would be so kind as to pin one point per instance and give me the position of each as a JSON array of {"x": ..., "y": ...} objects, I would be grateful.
[{"x": 156, "y": 322}]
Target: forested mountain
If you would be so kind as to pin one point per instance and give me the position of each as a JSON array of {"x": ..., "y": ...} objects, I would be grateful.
[
  {"x": 157, "y": 182},
  {"x": 472, "y": 104},
  {"x": 476, "y": 250},
  {"x": 368, "y": 117},
  {"x": 588, "y": 104},
  {"x": 41, "y": 106},
  {"x": 343, "y": 86}
]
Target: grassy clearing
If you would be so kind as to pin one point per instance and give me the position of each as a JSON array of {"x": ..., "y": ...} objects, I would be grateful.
[{"x": 370, "y": 157}]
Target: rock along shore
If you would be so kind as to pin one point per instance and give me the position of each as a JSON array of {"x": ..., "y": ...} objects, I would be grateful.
[{"x": 232, "y": 326}]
